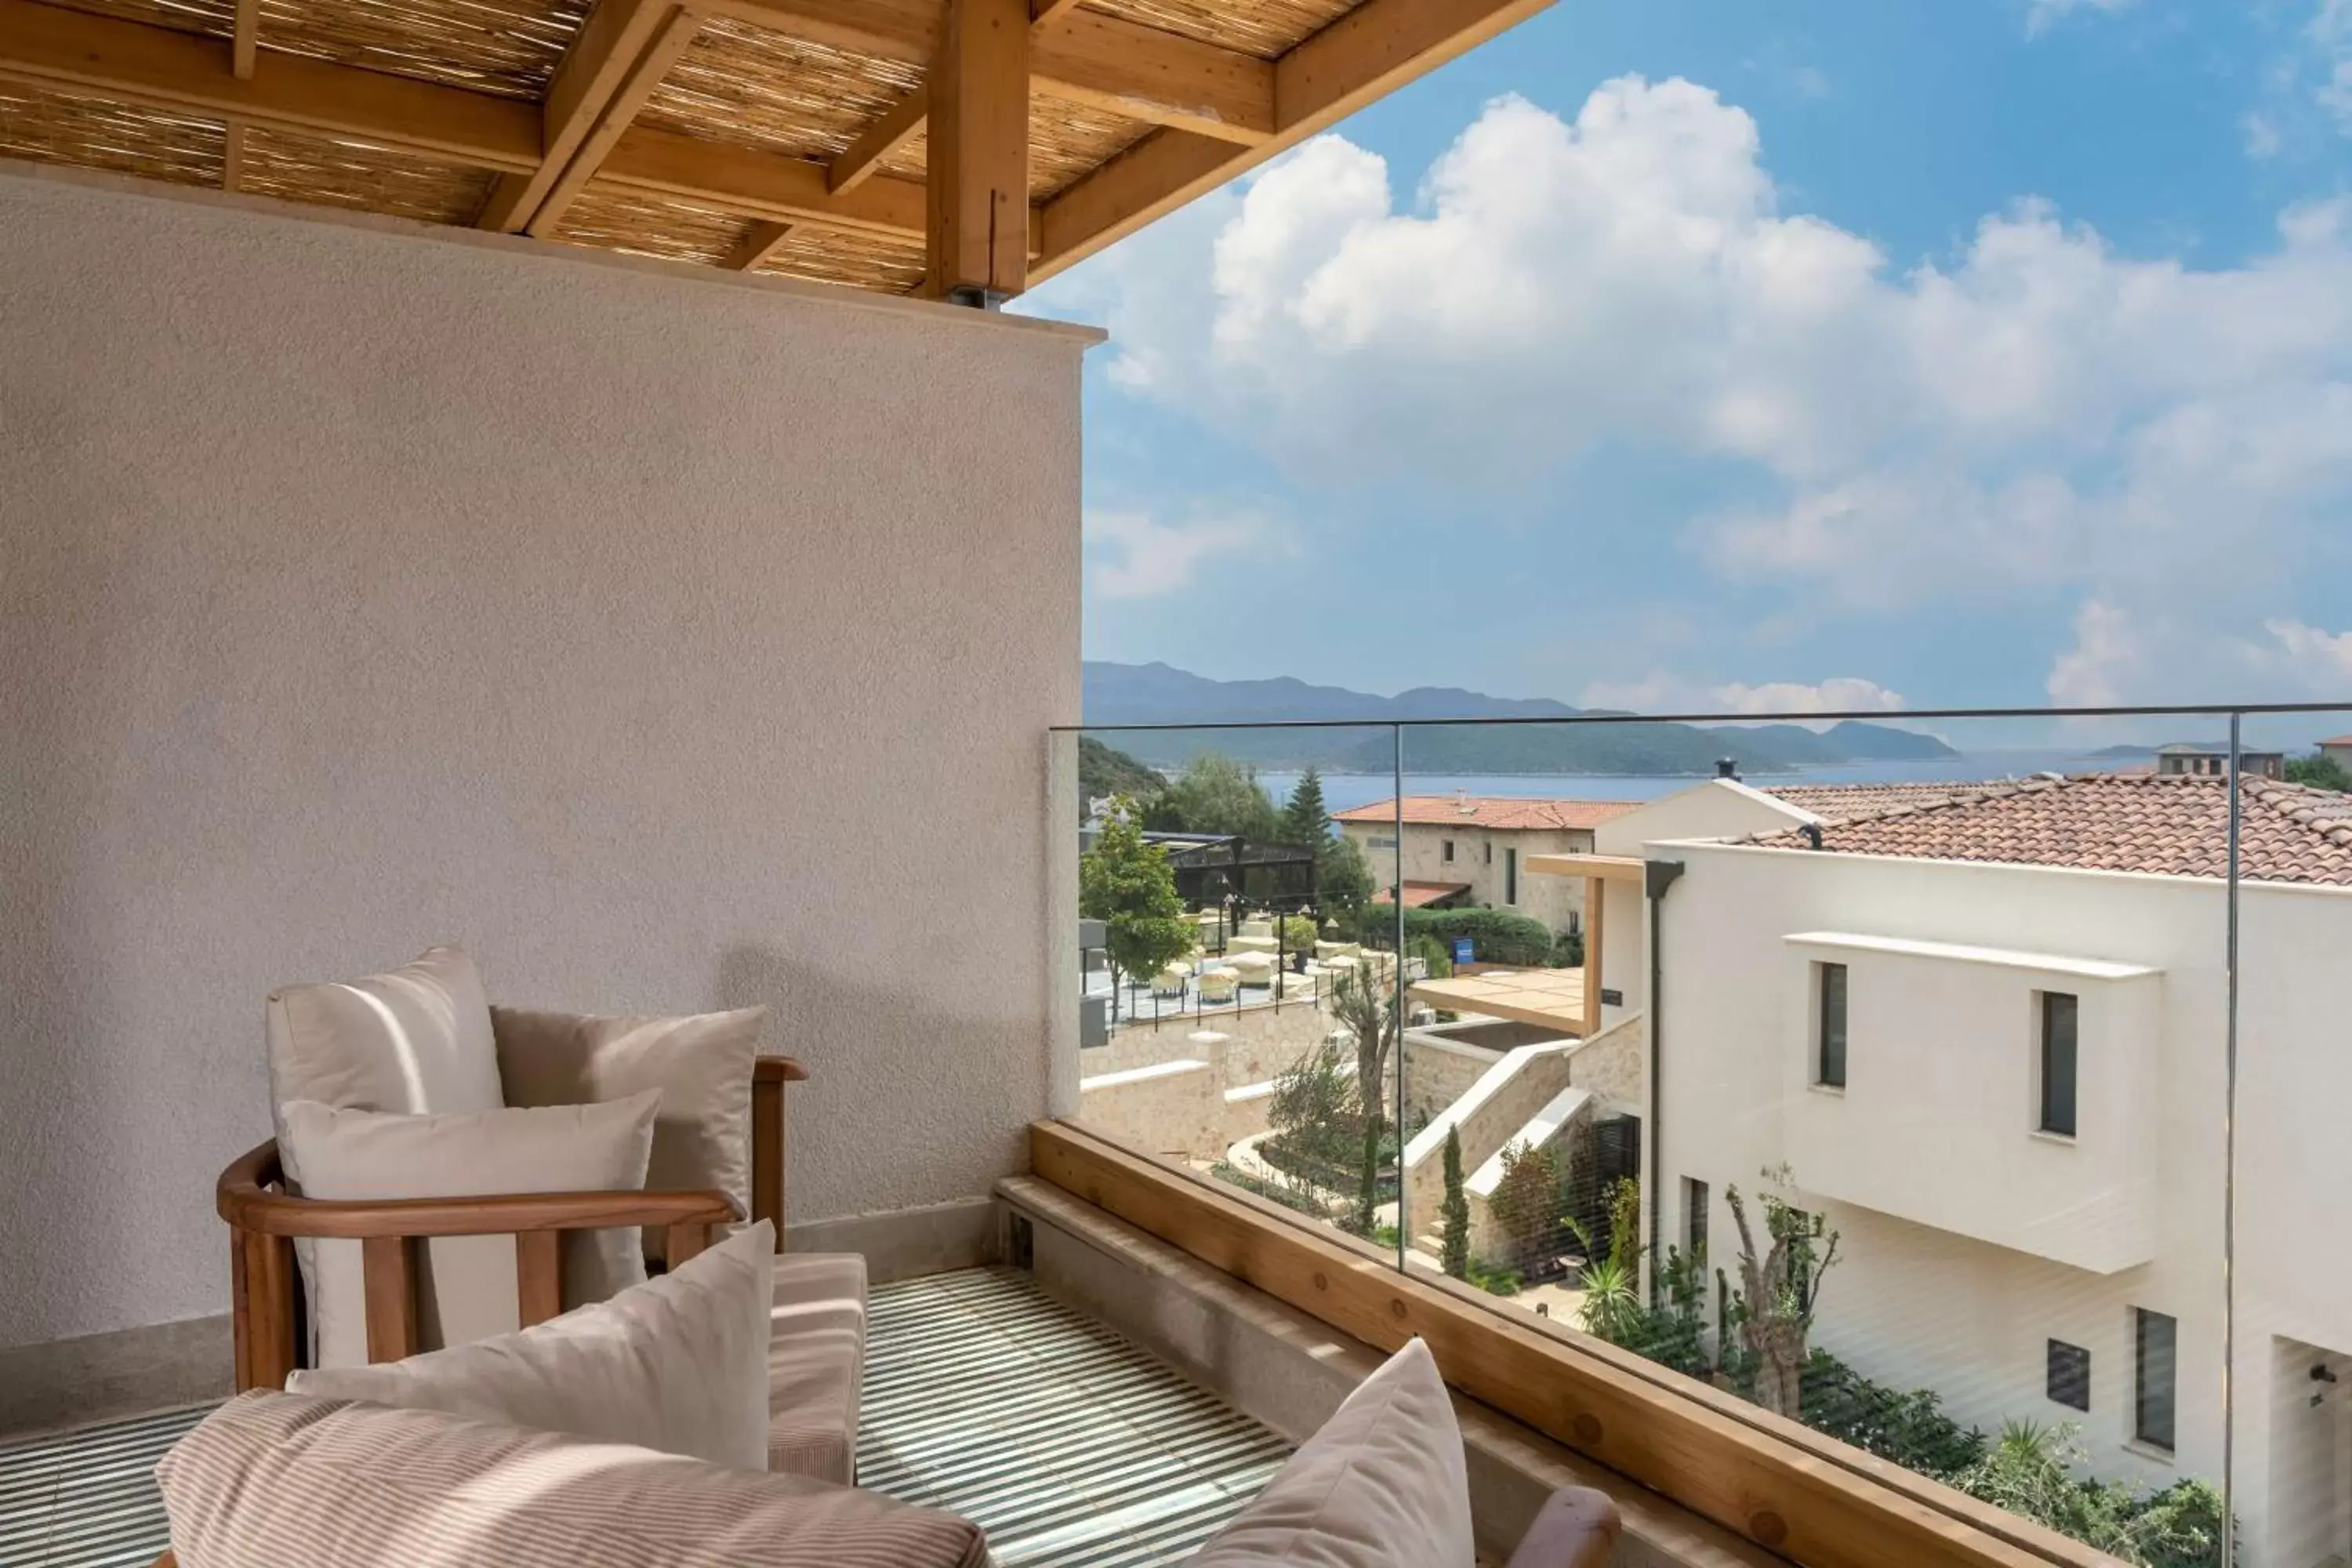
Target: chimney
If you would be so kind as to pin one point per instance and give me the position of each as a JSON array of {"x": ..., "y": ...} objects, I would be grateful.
[
  {"x": 1812, "y": 832},
  {"x": 1727, "y": 767}
]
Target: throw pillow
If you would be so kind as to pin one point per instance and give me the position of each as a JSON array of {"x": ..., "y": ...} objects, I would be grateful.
[
  {"x": 678, "y": 1364},
  {"x": 466, "y": 1285},
  {"x": 1382, "y": 1485},
  {"x": 702, "y": 1064}
]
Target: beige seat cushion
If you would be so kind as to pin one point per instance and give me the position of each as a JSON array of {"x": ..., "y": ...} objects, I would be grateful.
[
  {"x": 1382, "y": 1485},
  {"x": 816, "y": 1363},
  {"x": 272, "y": 1479},
  {"x": 702, "y": 1064},
  {"x": 678, "y": 1364},
  {"x": 466, "y": 1284}
]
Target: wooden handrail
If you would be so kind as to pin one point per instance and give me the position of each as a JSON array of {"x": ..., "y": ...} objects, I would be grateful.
[{"x": 245, "y": 1200}]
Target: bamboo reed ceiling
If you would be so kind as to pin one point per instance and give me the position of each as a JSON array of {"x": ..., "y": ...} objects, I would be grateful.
[{"x": 784, "y": 137}]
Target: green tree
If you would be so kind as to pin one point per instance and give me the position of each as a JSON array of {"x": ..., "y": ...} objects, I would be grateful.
[
  {"x": 1306, "y": 823},
  {"x": 1779, "y": 1292},
  {"x": 1106, "y": 770},
  {"x": 1127, "y": 884},
  {"x": 1343, "y": 880},
  {"x": 1372, "y": 1018},
  {"x": 1457, "y": 1208},
  {"x": 2319, "y": 772},
  {"x": 1527, "y": 1204},
  {"x": 1215, "y": 794}
]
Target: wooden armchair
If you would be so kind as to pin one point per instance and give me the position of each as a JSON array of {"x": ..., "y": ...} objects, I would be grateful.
[{"x": 263, "y": 1220}]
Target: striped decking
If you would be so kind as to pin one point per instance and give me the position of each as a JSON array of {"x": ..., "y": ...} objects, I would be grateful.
[
  {"x": 88, "y": 1499},
  {"x": 1066, "y": 1444},
  {"x": 982, "y": 1395}
]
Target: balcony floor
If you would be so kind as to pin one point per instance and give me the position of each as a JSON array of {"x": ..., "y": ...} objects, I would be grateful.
[{"x": 983, "y": 1395}]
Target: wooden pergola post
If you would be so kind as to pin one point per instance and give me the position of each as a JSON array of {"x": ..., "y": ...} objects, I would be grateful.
[{"x": 977, "y": 210}]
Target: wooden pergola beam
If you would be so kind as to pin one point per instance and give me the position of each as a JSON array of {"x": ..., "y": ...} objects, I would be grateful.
[
  {"x": 598, "y": 63},
  {"x": 1371, "y": 50},
  {"x": 976, "y": 234},
  {"x": 758, "y": 245},
  {"x": 51, "y": 47},
  {"x": 673, "y": 30},
  {"x": 245, "y": 39},
  {"x": 901, "y": 125},
  {"x": 1106, "y": 61}
]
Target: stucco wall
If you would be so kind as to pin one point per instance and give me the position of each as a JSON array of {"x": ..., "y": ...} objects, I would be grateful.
[{"x": 674, "y": 641}]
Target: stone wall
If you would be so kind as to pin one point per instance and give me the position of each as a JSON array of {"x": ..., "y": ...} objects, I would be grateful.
[
  {"x": 1175, "y": 1109},
  {"x": 1614, "y": 1065}
]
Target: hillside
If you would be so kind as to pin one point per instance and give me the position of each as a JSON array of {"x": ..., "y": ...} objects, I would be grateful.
[{"x": 1159, "y": 694}]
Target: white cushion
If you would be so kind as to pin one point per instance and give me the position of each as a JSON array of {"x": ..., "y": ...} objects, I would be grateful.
[
  {"x": 416, "y": 1039},
  {"x": 1382, "y": 1485},
  {"x": 466, "y": 1288},
  {"x": 816, "y": 1364},
  {"x": 677, "y": 1363},
  {"x": 273, "y": 1479},
  {"x": 701, "y": 1064}
]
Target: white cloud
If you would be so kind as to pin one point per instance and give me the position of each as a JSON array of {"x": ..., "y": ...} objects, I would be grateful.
[
  {"x": 2041, "y": 15},
  {"x": 2323, "y": 658},
  {"x": 1842, "y": 694},
  {"x": 1139, "y": 558},
  {"x": 2036, "y": 419}
]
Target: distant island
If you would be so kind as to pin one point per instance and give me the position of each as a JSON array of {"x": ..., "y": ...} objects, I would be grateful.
[{"x": 1119, "y": 694}]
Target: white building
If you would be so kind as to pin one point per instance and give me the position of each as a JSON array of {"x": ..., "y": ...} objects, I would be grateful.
[{"x": 1985, "y": 1029}]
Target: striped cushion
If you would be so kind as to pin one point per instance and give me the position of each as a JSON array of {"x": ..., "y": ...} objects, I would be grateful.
[
  {"x": 816, "y": 1362},
  {"x": 275, "y": 1479}
]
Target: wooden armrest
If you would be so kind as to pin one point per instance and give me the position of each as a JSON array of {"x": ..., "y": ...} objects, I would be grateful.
[
  {"x": 244, "y": 1197},
  {"x": 1576, "y": 1527},
  {"x": 778, "y": 1069}
]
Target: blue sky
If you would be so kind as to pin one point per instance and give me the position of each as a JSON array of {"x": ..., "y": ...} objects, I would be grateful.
[{"x": 1925, "y": 352}]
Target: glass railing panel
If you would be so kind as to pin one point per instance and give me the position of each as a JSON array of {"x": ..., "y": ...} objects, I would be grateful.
[
  {"x": 1884, "y": 1078},
  {"x": 2291, "y": 1395},
  {"x": 1234, "y": 1020},
  {"x": 1873, "y": 1074}
]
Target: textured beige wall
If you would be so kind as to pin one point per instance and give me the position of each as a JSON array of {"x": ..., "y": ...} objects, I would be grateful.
[{"x": 674, "y": 641}]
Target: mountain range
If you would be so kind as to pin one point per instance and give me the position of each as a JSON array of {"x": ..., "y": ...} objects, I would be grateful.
[{"x": 1120, "y": 694}]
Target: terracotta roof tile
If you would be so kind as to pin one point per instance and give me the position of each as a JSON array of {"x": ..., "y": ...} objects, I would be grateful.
[
  {"x": 2174, "y": 827},
  {"x": 1841, "y": 803},
  {"x": 1506, "y": 812}
]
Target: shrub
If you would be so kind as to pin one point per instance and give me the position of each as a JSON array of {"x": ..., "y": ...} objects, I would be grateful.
[
  {"x": 1497, "y": 936},
  {"x": 1909, "y": 1428},
  {"x": 1278, "y": 1192},
  {"x": 1298, "y": 933},
  {"x": 1567, "y": 949}
]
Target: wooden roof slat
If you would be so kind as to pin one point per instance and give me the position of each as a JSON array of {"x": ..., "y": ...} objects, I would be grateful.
[{"x": 139, "y": 64}]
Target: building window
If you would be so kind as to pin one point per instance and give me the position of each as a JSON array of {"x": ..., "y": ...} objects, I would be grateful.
[
  {"x": 1489, "y": 847},
  {"x": 1448, "y": 852},
  {"x": 1510, "y": 876},
  {"x": 2057, "y": 1069},
  {"x": 2069, "y": 1379},
  {"x": 1829, "y": 1024},
  {"x": 2154, "y": 1341},
  {"x": 1695, "y": 1200}
]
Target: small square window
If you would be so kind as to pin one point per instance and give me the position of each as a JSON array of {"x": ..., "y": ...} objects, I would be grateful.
[{"x": 2069, "y": 1378}]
